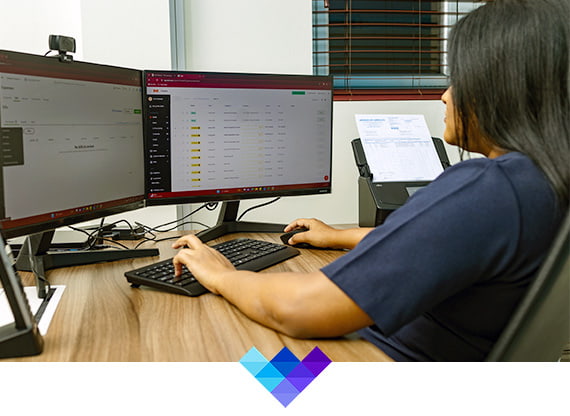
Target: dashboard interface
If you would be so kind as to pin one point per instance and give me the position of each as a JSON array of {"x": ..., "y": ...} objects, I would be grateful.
[
  {"x": 215, "y": 136},
  {"x": 72, "y": 140}
]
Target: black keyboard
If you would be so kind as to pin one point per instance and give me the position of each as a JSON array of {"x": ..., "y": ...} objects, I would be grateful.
[{"x": 243, "y": 253}]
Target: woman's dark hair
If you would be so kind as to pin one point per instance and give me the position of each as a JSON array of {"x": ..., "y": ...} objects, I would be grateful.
[{"x": 510, "y": 72}]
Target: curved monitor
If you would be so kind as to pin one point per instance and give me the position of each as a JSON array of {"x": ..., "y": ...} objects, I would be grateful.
[
  {"x": 231, "y": 136},
  {"x": 71, "y": 141}
]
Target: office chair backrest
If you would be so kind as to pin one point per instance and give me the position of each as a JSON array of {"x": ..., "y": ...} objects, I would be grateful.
[{"x": 540, "y": 326}]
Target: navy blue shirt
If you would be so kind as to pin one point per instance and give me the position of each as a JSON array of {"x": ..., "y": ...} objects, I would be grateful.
[{"x": 443, "y": 274}]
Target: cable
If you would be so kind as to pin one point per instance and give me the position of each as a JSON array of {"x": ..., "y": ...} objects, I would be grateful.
[
  {"x": 210, "y": 206},
  {"x": 176, "y": 226},
  {"x": 258, "y": 206},
  {"x": 156, "y": 240},
  {"x": 174, "y": 237},
  {"x": 91, "y": 240},
  {"x": 93, "y": 237},
  {"x": 195, "y": 222}
]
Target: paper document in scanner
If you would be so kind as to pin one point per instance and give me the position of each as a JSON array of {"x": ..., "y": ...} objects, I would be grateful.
[{"x": 398, "y": 148}]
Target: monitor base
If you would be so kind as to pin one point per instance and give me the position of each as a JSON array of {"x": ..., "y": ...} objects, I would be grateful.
[
  {"x": 22, "y": 342},
  {"x": 228, "y": 224},
  {"x": 22, "y": 337}
]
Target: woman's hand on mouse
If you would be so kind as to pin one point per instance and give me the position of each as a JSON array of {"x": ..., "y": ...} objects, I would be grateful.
[{"x": 319, "y": 234}]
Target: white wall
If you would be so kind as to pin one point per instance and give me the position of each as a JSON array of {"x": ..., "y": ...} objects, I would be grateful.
[
  {"x": 26, "y": 24},
  {"x": 130, "y": 33},
  {"x": 256, "y": 36},
  {"x": 276, "y": 36}
]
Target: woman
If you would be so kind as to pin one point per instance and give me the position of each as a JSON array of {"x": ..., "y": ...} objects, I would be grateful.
[{"x": 441, "y": 277}]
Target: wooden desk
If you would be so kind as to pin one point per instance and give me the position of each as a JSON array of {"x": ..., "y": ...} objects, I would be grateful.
[{"x": 101, "y": 318}]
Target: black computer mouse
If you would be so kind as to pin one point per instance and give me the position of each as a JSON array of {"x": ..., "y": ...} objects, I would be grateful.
[{"x": 286, "y": 236}]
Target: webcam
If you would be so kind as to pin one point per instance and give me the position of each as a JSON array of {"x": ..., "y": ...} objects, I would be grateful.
[{"x": 62, "y": 44}]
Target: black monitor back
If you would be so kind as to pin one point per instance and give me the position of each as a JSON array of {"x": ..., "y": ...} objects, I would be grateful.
[{"x": 540, "y": 327}]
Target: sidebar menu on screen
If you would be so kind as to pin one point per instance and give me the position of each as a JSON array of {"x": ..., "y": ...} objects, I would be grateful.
[{"x": 158, "y": 126}]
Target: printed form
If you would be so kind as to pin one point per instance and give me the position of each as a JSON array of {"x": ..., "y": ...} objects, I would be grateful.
[{"x": 398, "y": 148}]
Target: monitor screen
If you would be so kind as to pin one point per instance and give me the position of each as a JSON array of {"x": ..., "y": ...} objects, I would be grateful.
[
  {"x": 72, "y": 142},
  {"x": 229, "y": 136}
]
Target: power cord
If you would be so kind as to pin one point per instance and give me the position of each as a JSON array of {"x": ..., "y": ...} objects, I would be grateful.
[
  {"x": 210, "y": 206},
  {"x": 258, "y": 206},
  {"x": 95, "y": 236}
]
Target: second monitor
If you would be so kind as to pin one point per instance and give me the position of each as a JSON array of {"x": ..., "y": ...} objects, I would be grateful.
[
  {"x": 229, "y": 136},
  {"x": 71, "y": 141}
]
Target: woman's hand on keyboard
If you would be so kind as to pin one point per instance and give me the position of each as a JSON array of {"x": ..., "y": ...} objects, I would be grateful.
[{"x": 203, "y": 261}]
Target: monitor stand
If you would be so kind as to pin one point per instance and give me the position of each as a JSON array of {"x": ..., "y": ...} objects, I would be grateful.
[
  {"x": 35, "y": 257},
  {"x": 21, "y": 338},
  {"x": 228, "y": 223}
]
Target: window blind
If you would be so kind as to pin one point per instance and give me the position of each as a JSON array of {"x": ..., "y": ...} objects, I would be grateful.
[{"x": 384, "y": 49}]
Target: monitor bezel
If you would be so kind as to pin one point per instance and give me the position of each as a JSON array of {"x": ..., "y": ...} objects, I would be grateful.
[
  {"x": 129, "y": 203},
  {"x": 233, "y": 196},
  {"x": 39, "y": 227}
]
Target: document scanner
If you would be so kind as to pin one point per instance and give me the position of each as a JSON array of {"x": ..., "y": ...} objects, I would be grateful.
[{"x": 377, "y": 200}]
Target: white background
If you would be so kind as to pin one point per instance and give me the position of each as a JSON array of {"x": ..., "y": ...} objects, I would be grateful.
[{"x": 228, "y": 388}]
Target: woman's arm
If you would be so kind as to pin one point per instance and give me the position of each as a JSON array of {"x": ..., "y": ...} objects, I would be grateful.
[
  {"x": 303, "y": 305},
  {"x": 320, "y": 234}
]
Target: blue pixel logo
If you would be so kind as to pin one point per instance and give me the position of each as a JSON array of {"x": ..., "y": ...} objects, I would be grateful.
[{"x": 285, "y": 376}]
